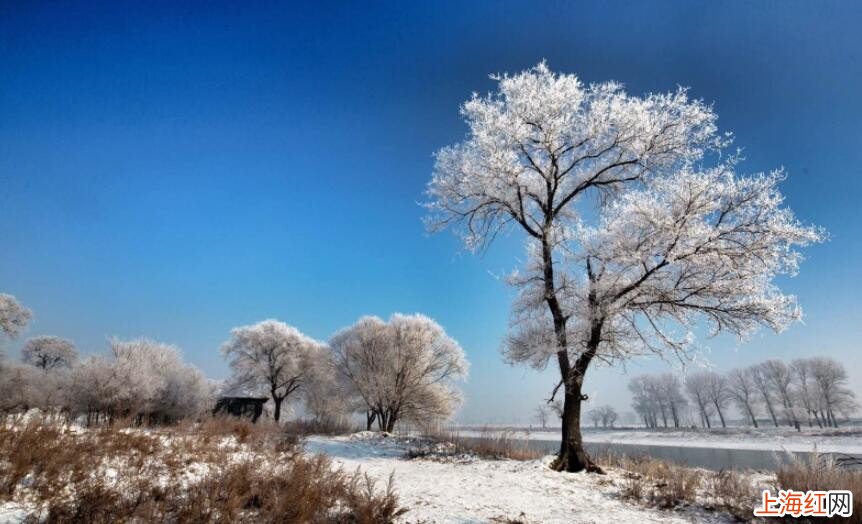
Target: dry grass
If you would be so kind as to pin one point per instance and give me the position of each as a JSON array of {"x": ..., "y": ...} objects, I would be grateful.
[
  {"x": 220, "y": 471},
  {"x": 822, "y": 474},
  {"x": 666, "y": 485},
  {"x": 303, "y": 427},
  {"x": 490, "y": 445}
]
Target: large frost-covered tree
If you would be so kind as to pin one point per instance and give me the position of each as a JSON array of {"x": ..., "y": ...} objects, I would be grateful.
[
  {"x": 401, "y": 369},
  {"x": 273, "y": 357},
  {"x": 49, "y": 353},
  {"x": 631, "y": 237}
]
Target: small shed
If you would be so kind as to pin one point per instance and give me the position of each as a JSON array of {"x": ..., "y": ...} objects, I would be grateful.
[{"x": 243, "y": 407}]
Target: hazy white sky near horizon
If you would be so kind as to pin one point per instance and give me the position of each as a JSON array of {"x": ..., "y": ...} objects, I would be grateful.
[{"x": 173, "y": 173}]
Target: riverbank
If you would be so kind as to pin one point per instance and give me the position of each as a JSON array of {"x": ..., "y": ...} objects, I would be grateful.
[
  {"x": 834, "y": 440},
  {"x": 472, "y": 489}
]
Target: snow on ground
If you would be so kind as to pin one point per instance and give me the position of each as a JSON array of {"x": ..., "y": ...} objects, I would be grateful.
[
  {"x": 13, "y": 512},
  {"x": 839, "y": 440},
  {"x": 479, "y": 490}
]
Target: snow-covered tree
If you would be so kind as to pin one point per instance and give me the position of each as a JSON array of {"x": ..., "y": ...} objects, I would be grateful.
[
  {"x": 401, "y": 369},
  {"x": 761, "y": 383},
  {"x": 655, "y": 395},
  {"x": 697, "y": 386},
  {"x": 323, "y": 396},
  {"x": 780, "y": 380},
  {"x": 670, "y": 240},
  {"x": 19, "y": 388},
  {"x": 608, "y": 416},
  {"x": 154, "y": 384},
  {"x": 806, "y": 389},
  {"x": 718, "y": 393},
  {"x": 832, "y": 391},
  {"x": 49, "y": 353},
  {"x": 273, "y": 357},
  {"x": 13, "y": 318},
  {"x": 743, "y": 391},
  {"x": 93, "y": 389},
  {"x": 670, "y": 389},
  {"x": 643, "y": 400},
  {"x": 142, "y": 380}
]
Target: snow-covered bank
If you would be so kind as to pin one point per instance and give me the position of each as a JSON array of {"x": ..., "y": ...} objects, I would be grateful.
[
  {"x": 480, "y": 490},
  {"x": 840, "y": 440}
]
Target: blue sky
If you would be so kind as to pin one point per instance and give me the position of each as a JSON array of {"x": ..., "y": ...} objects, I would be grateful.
[{"x": 173, "y": 171}]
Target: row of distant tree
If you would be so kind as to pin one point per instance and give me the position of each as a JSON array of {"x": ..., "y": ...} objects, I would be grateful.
[
  {"x": 403, "y": 369},
  {"x": 807, "y": 391}
]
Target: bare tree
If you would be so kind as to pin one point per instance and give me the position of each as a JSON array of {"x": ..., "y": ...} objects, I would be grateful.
[
  {"x": 595, "y": 415},
  {"x": 608, "y": 416},
  {"x": 806, "y": 389},
  {"x": 541, "y": 415},
  {"x": 743, "y": 390},
  {"x": 49, "y": 353},
  {"x": 642, "y": 401},
  {"x": 697, "y": 386},
  {"x": 761, "y": 382},
  {"x": 834, "y": 395},
  {"x": 271, "y": 356},
  {"x": 655, "y": 395},
  {"x": 670, "y": 391},
  {"x": 405, "y": 368},
  {"x": 674, "y": 242},
  {"x": 780, "y": 380},
  {"x": 718, "y": 393}
]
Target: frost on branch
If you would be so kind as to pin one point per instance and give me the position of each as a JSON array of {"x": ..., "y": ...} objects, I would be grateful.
[
  {"x": 142, "y": 379},
  {"x": 638, "y": 225},
  {"x": 401, "y": 369},
  {"x": 273, "y": 358},
  {"x": 13, "y": 316},
  {"x": 48, "y": 353},
  {"x": 672, "y": 242}
]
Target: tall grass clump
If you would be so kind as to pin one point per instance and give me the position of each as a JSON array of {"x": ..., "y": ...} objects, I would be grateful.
[
  {"x": 822, "y": 473},
  {"x": 489, "y": 445}
]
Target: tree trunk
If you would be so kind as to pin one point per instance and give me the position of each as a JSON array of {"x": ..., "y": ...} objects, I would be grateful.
[
  {"x": 771, "y": 411},
  {"x": 751, "y": 414},
  {"x": 276, "y": 414},
  {"x": 390, "y": 425},
  {"x": 370, "y": 415},
  {"x": 572, "y": 456},
  {"x": 816, "y": 417},
  {"x": 720, "y": 414},
  {"x": 832, "y": 416}
]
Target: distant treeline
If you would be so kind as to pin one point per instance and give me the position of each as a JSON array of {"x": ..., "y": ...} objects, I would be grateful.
[{"x": 807, "y": 391}]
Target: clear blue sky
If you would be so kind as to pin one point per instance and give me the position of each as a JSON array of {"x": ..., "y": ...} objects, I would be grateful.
[{"x": 172, "y": 171}]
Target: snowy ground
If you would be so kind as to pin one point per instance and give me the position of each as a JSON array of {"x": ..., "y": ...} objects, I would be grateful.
[
  {"x": 840, "y": 440},
  {"x": 477, "y": 490}
]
